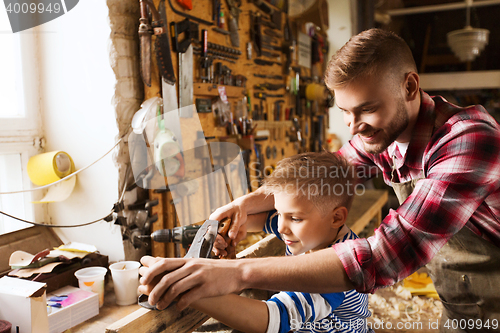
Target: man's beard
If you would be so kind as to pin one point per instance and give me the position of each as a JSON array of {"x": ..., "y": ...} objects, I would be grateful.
[{"x": 396, "y": 126}]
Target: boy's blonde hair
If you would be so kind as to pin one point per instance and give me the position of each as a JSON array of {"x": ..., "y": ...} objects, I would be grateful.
[
  {"x": 371, "y": 52},
  {"x": 327, "y": 179}
]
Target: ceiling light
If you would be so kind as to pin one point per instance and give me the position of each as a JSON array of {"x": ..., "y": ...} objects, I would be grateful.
[{"x": 468, "y": 43}]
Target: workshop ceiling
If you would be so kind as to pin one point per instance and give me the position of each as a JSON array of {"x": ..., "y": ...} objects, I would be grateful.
[{"x": 433, "y": 54}]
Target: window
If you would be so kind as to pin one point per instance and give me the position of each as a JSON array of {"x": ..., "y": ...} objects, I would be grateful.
[
  {"x": 20, "y": 128},
  {"x": 12, "y": 164}
]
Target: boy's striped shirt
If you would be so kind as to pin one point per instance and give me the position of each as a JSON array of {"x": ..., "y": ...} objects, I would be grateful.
[{"x": 304, "y": 312}]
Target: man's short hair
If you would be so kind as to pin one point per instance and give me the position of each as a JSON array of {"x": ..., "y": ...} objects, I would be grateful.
[
  {"x": 324, "y": 178},
  {"x": 371, "y": 52}
]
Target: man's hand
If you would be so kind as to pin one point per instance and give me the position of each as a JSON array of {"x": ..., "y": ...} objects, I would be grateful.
[{"x": 164, "y": 279}]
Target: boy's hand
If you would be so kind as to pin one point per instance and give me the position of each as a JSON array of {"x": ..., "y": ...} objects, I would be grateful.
[
  {"x": 220, "y": 244},
  {"x": 238, "y": 231},
  {"x": 238, "y": 211}
]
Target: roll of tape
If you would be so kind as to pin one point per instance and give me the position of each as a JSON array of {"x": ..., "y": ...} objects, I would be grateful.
[
  {"x": 315, "y": 91},
  {"x": 49, "y": 167}
]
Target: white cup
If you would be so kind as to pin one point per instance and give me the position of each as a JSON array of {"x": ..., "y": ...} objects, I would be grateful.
[
  {"x": 92, "y": 279},
  {"x": 125, "y": 276}
]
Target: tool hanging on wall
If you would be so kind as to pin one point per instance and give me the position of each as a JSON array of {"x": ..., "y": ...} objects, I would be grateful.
[
  {"x": 215, "y": 11},
  {"x": 254, "y": 33},
  {"x": 234, "y": 14},
  {"x": 145, "y": 32},
  {"x": 183, "y": 33},
  {"x": 266, "y": 46},
  {"x": 288, "y": 48},
  {"x": 189, "y": 32},
  {"x": 218, "y": 51},
  {"x": 221, "y": 31},
  {"x": 262, "y": 62},
  {"x": 186, "y": 82},
  {"x": 268, "y": 86},
  {"x": 194, "y": 18},
  {"x": 272, "y": 33},
  {"x": 187, "y": 4},
  {"x": 205, "y": 61},
  {"x": 277, "y": 110},
  {"x": 270, "y": 55},
  {"x": 162, "y": 43},
  {"x": 217, "y": 55},
  {"x": 272, "y": 77},
  {"x": 268, "y": 39},
  {"x": 169, "y": 94},
  {"x": 260, "y": 162},
  {"x": 264, "y": 7},
  {"x": 203, "y": 105},
  {"x": 261, "y": 95}
]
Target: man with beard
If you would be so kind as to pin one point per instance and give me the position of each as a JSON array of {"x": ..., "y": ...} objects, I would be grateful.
[{"x": 443, "y": 162}]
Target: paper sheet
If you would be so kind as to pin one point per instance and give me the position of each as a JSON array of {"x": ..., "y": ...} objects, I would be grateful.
[
  {"x": 27, "y": 272},
  {"x": 59, "y": 192}
]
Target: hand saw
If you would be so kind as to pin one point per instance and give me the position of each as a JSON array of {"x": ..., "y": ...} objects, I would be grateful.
[
  {"x": 201, "y": 247},
  {"x": 145, "y": 32},
  {"x": 162, "y": 43}
]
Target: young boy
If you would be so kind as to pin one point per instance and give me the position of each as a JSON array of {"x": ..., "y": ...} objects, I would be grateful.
[{"x": 312, "y": 193}]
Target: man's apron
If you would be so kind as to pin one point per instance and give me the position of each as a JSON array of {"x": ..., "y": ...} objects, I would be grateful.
[{"x": 466, "y": 274}]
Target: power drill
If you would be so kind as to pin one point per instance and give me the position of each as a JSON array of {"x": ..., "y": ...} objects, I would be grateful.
[{"x": 179, "y": 235}]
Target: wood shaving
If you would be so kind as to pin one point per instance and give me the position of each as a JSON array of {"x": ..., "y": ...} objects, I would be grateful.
[
  {"x": 395, "y": 304},
  {"x": 251, "y": 239}
]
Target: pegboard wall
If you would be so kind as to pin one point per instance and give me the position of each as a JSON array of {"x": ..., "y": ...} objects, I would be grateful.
[{"x": 268, "y": 65}]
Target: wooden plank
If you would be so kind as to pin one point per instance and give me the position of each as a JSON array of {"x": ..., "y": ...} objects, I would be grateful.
[
  {"x": 170, "y": 319},
  {"x": 270, "y": 246},
  {"x": 364, "y": 208}
]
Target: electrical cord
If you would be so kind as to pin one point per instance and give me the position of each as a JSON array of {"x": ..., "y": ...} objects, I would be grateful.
[
  {"x": 108, "y": 217},
  {"x": 55, "y": 226}
]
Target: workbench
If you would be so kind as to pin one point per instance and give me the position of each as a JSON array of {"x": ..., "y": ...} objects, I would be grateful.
[
  {"x": 109, "y": 313},
  {"x": 365, "y": 208}
]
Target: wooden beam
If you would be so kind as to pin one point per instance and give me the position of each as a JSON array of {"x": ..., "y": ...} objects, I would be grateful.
[
  {"x": 270, "y": 246},
  {"x": 170, "y": 319}
]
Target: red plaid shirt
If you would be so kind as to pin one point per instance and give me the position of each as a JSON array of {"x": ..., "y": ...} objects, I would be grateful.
[{"x": 458, "y": 151}]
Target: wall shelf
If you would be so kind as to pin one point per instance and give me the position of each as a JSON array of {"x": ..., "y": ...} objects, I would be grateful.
[{"x": 460, "y": 80}]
